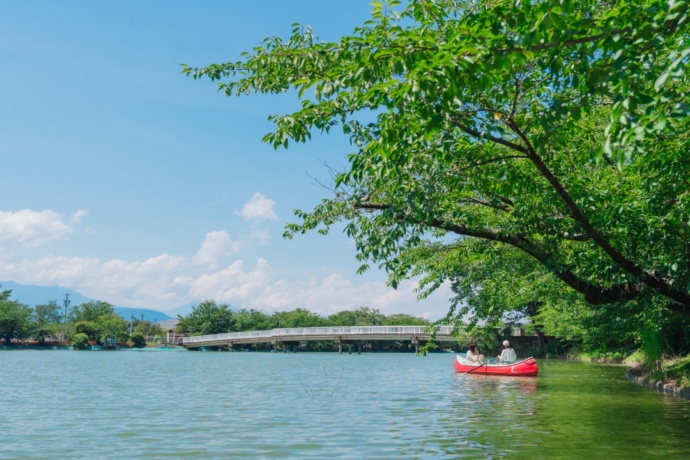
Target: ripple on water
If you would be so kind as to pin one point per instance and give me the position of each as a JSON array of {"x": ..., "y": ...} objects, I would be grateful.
[{"x": 65, "y": 404}]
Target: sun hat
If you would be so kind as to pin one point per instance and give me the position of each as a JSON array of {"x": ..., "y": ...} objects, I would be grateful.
[{"x": 506, "y": 343}]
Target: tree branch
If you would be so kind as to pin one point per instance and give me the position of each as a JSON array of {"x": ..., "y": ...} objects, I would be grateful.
[
  {"x": 577, "y": 214},
  {"x": 492, "y": 160},
  {"x": 492, "y": 138},
  {"x": 596, "y": 295},
  {"x": 485, "y": 203},
  {"x": 575, "y": 41}
]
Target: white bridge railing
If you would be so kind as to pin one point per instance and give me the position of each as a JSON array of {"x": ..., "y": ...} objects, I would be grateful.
[{"x": 348, "y": 331}]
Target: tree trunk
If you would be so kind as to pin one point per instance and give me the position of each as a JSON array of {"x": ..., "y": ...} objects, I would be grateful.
[{"x": 541, "y": 341}]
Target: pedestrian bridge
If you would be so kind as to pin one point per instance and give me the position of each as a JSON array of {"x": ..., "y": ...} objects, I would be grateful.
[{"x": 341, "y": 335}]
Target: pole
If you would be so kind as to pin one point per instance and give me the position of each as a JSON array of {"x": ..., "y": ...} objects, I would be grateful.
[{"x": 66, "y": 302}]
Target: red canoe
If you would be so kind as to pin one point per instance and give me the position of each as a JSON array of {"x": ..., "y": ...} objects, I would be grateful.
[{"x": 525, "y": 368}]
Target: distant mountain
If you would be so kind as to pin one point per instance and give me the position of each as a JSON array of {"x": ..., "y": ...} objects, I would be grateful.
[
  {"x": 148, "y": 315},
  {"x": 183, "y": 310},
  {"x": 36, "y": 295}
]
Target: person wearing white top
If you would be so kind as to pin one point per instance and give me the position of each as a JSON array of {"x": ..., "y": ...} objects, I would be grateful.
[
  {"x": 507, "y": 354},
  {"x": 473, "y": 355}
]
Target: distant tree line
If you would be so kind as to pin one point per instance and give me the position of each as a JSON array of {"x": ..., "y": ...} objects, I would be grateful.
[
  {"x": 90, "y": 322},
  {"x": 95, "y": 322},
  {"x": 208, "y": 317}
]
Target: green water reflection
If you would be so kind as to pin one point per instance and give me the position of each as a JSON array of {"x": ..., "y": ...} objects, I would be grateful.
[{"x": 572, "y": 410}]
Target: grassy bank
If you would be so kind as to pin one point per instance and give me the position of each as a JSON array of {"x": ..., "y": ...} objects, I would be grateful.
[
  {"x": 673, "y": 371},
  {"x": 671, "y": 375}
]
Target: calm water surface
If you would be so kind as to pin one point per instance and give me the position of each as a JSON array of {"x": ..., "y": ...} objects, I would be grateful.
[{"x": 178, "y": 404}]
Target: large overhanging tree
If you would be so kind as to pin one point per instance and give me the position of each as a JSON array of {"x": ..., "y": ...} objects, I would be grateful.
[{"x": 554, "y": 129}]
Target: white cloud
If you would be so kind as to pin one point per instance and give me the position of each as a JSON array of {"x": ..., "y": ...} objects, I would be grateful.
[
  {"x": 259, "y": 207},
  {"x": 260, "y": 236},
  {"x": 166, "y": 282},
  {"x": 217, "y": 245},
  {"x": 31, "y": 228},
  {"x": 75, "y": 218},
  {"x": 231, "y": 284},
  {"x": 335, "y": 292}
]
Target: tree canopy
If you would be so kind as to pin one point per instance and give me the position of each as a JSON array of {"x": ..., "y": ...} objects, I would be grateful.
[
  {"x": 207, "y": 318},
  {"x": 91, "y": 311},
  {"x": 15, "y": 319},
  {"x": 98, "y": 320},
  {"x": 46, "y": 320},
  {"x": 549, "y": 138},
  {"x": 299, "y": 317}
]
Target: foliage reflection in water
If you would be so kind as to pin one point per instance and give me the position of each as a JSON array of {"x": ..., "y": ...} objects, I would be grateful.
[{"x": 68, "y": 404}]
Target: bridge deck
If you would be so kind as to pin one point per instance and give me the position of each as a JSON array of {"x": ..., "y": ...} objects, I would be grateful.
[{"x": 337, "y": 334}]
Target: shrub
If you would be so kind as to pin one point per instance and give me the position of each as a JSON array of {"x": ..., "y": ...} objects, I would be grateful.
[
  {"x": 138, "y": 340},
  {"x": 80, "y": 341}
]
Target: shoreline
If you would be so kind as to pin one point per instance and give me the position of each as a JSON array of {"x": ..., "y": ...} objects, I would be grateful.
[
  {"x": 668, "y": 387},
  {"x": 637, "y": 375}
]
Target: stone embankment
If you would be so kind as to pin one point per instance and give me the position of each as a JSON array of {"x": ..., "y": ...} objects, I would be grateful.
[{"x": 637, "y": 375}]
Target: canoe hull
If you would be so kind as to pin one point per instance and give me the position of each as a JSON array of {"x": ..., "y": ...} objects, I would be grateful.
[{"x": 525, "y": 368}]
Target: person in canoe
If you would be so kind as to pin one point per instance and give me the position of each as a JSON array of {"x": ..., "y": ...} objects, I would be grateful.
[
  {"x": 507, "y": 354},
  {"x": 473, "y": 355}
]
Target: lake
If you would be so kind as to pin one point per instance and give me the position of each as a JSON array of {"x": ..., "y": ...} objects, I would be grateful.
[{"x": 180, "y": 404}]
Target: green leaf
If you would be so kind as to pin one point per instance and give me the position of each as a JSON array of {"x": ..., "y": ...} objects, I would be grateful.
[{"x": 660, "y": 81}]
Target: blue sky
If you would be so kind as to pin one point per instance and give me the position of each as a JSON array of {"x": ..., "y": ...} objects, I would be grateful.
[{"x": 131, "y": 183}]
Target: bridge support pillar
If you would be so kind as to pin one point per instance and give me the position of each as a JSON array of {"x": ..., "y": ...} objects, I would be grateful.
[{"x": 416, "y": 342}]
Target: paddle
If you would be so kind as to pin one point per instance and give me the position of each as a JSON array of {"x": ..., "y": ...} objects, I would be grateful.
[{"x": 481, "y": 365}]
